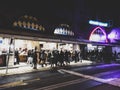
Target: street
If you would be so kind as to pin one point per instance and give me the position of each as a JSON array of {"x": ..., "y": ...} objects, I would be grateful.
[{"x": 90, "y": 77}]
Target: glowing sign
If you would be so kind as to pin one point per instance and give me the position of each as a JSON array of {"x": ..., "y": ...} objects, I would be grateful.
[
  {"x": 98, "y": 34},
  {"x": 62, "y": 31},
  {"x": 98, "y": 23},
  {"x": 114, "y": 35}
]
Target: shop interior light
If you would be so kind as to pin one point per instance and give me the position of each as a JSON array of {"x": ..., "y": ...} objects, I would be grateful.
[{"x": 98, "y": 23}]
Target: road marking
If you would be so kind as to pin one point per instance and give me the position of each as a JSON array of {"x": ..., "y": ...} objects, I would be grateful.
[
  {"x": 55, "y": 86},
  {"x": 31, "y": 80},
  {"x": 60, "y": 71},
  {"x": 18, "y": 83},
  {"x": 12, "y": 84},
  {"x": 110, "y": 81}
]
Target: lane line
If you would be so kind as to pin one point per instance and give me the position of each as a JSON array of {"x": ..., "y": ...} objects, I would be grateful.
[
  {"x": 18, "y": 83},
  {"x": 31, "y": 80},
  {"x": 12, "y": 84}
]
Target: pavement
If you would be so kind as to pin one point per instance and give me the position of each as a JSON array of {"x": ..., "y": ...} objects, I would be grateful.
[{"x": 26, "y": 68}]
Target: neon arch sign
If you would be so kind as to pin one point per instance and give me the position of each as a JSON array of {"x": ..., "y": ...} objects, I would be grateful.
[{"x": 98, "y": 35}]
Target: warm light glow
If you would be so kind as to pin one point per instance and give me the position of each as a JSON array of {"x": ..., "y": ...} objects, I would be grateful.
[
  {"x": 28, "y": 22},
  {"x": 65, "y": 47},
  {"x": 48, "y": 45}
]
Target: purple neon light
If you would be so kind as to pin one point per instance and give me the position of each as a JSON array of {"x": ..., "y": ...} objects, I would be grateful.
[
  {"x": 111, "y": 36},
  {"x": 114, "y": 35},
  {"x": 102, "y": 32}
]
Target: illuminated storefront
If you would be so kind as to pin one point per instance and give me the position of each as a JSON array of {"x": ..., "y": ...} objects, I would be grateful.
[
  {"x": 27, "y": 34},
  {"x": 65, "y": 30},
  {"x": 114, "y": 37},
  {"x": 97, "y": 35}
]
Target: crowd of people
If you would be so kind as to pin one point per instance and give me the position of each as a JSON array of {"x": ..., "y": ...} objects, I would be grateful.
[
  {"x": 52, "y": 57},
  {"x": 61, "y": 57}
]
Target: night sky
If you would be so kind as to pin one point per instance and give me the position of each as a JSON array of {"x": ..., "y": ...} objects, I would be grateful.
[
  {"x": 108, "y": 9},
  {"x": 73, "y": 12}
]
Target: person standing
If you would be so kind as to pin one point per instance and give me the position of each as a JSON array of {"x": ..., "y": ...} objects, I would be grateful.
[
  {"x": 43, "y": 57},
  {"x": 30, "y": 57},
  {"x": 35, "y": 58},
  {"x": 17, "y": 59}
]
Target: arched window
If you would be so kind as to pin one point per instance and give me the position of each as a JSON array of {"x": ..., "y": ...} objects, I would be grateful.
[{"x": 98, "y": 35}]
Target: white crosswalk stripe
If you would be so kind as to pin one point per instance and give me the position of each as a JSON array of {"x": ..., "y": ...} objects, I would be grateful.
[{"x": 113, "y": 81}]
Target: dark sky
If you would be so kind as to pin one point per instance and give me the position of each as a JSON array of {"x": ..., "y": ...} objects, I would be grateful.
[
  {"x": 61, "y": 8},
  {"x": 36, "y": 7},
  {"x": 63, "y": 11}
]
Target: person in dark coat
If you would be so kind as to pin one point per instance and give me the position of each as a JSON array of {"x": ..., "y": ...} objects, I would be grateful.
[
  {"x": 17, "y": 59},
  {"x": 35, "y": 58},
  {"x": 42, "y": 58},
  {"x": 61, "y": 58}
]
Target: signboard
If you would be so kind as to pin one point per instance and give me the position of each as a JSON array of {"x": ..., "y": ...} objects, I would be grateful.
[
  {"x": 61, "y": 31},
  {"x": 98, "y": 23}
]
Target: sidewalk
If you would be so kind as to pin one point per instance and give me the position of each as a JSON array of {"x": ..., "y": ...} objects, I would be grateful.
[{"x": 25, "y": 68}]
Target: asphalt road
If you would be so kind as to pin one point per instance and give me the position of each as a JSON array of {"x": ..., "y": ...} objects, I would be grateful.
[{"x": 91, "y": 77}]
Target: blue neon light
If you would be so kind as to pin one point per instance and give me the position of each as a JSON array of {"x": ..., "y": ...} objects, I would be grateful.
[{"x": 98, "y": 23}]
